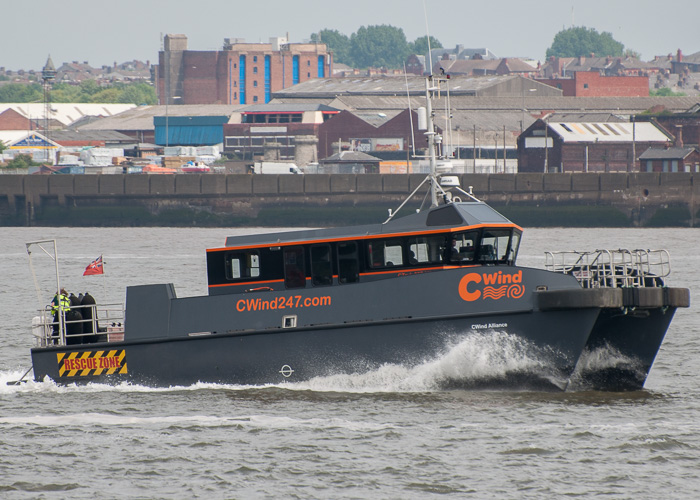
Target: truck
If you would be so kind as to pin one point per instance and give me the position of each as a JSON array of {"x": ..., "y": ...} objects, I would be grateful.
[{"x": 274, "y": 167}]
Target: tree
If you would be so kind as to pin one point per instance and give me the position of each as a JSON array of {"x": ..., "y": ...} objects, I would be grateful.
[
  {"x": 420, "y": 45},
  {"x": 22, "y": 161},
  {"x": 64, "y": 92},
  {"x": 137, "y": 93},
  {"x": 21, "y": 92},
  {"x": 582, "y": 41},
  {"x": 378, "y": 46},
  {"x": 109, "y": 94},
  {"x": 336, "y": 42}
]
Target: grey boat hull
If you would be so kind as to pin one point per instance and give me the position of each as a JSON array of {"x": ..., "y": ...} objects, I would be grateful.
[{"x": 533, "y": 340}]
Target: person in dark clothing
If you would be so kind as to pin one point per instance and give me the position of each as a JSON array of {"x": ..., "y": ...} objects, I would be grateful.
[{"x": 88, "y": 309}]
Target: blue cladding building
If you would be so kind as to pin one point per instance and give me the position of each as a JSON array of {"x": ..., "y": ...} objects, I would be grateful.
[{"x": 189, "y": 130}]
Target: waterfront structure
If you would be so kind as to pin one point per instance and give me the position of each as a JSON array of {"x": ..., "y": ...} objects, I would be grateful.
[
  {"x": 552, "y": 146},
  {"x": 674, "y": 159},
  {"x": 240, "y": 73},
  {"x": 276, "y": 131}
]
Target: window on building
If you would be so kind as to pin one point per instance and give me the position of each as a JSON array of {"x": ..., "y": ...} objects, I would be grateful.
[
  {"x": 255, "y": 58},
  {"x": 255, "y": 69},
  {"x": 585, "y": 85},
  {"x": 255, "y": 98},
  {"x": 308, "y": 63},
  {"x": 255, "y": 83}
]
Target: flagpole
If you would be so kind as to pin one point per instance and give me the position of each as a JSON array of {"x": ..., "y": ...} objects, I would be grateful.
[{"x": 104, "y": 283}]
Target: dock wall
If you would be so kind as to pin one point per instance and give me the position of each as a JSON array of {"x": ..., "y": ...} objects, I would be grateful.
[{"x": 30, "y": 199}]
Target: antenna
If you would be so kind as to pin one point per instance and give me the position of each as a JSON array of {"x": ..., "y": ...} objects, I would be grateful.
[
  {"x": 427, "y": 34},
  {"x": 410, "y": 111}
]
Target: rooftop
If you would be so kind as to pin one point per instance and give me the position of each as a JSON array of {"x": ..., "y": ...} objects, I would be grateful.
[{"x": 608, "y": 132}]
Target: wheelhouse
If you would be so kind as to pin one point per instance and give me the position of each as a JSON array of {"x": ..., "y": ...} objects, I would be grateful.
[{"x": 322, "y": 258}]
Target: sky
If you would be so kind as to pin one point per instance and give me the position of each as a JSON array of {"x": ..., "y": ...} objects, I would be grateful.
[{"x": 103, "y": 33}]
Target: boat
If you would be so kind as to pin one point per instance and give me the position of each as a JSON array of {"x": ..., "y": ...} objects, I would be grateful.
[
  {"x": 294, "y": 306},
  {"x": 195, "y": 167}
]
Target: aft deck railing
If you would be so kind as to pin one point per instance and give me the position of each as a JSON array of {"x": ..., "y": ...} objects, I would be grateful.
[
  {"x": 106, "y": 324},
  {"x": 612, "y": 268}
]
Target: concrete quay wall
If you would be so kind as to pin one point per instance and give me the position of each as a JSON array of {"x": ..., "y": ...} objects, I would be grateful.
[{"x": 637, "y": 195}]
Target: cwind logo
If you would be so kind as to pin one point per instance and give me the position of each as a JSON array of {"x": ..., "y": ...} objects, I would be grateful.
[{"x": 493, "y": 286}]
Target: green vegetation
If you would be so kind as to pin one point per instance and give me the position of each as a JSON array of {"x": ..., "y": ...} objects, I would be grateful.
[
  {"x": 373, "y": 46},
  {"x": 665, "y": 92},
  {"x": 420, "y": 45},
  {"x": 672, "y": 216},
  {"x": 581, "y": 41},
  {"x": 22, "y": 161},
  {"x": 378, "y": 46},
  {"x": 21, "y": 92},
  {"x": 337, "y": 42},
  {"x": 89, "y": 91}
]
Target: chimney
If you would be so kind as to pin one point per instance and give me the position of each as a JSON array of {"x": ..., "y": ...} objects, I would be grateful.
[
  {"x": 680, "y": 56},
  {"x": 679, "y": 136},
  {"x": 581, "y": 60}
]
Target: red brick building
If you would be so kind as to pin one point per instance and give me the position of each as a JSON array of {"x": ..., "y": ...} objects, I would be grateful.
[
  {"x": 671, "y": 159},
  {"x": 592, "y": 84},
  {"x": 370, "y": 133},
  {"x": 240, "y": 73},
  {"x": 12, "y": 120}
]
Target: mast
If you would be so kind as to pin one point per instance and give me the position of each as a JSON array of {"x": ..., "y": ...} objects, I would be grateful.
[{"x": 432, "y": 139}]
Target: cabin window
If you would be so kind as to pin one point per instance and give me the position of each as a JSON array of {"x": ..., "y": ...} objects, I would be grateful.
[
  {"x": 348, "y": 263},
  {"x": 463, "y": 247},
  {"x": 242, "y": 265},
  {"x": 321, "y": 271},
  {"x": 385, "y": 253},
  {"x": 494, "y": 245},
  {"x": 425, "y": 250},
  {"x": 294, "y": 271}
]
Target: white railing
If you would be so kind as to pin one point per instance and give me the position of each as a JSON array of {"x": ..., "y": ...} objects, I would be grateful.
[
  {"x": 105, "y": 325},
  {"x": 612, "y": 268}
]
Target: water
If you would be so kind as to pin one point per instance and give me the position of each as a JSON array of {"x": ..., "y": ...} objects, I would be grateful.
[{"x": 386, "y": 434}]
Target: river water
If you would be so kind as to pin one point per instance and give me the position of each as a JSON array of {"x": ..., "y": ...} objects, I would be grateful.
[{"x": 387, "y": 434}]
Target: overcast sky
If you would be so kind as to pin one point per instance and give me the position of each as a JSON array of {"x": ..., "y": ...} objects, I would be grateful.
[{"x": 103, "y": 32}]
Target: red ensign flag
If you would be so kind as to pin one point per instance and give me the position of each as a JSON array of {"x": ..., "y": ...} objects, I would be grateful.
[{"x": 95, "y": 267}]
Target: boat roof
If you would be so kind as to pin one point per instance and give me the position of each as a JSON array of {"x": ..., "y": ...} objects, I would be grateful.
[{"x": 453, "y": 216}]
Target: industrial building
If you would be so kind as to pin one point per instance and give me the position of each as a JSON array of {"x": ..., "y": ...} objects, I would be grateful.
[{"x": 240, "y": 73}]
